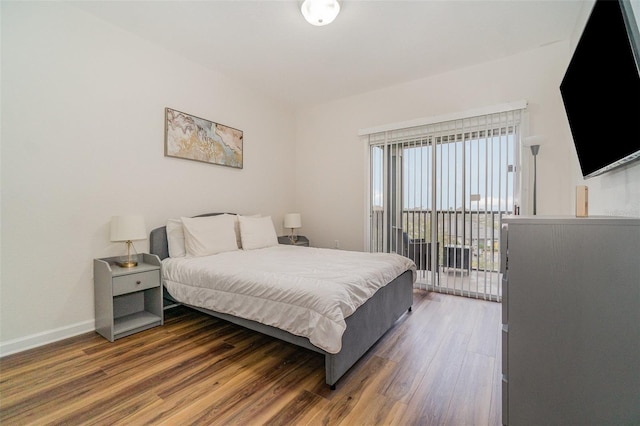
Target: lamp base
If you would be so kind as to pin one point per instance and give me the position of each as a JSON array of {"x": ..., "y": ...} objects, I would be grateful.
[
  {"x": 127, "y": 263},
  {"x": 131, "y": 260}
]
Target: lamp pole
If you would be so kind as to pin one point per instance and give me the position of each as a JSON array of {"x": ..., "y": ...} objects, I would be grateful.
[{"x": 534, "y": 151}]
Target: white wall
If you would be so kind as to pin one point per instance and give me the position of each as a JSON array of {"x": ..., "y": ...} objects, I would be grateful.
[
  {"x": 82, "y": 140},
  {"x": 330, "y": 190}
]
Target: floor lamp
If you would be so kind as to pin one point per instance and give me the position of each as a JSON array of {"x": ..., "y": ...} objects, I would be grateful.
[{"x": 534, "y": 150}]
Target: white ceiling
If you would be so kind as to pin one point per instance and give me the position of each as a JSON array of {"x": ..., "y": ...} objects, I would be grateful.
[{"x": 268, "y": 46}]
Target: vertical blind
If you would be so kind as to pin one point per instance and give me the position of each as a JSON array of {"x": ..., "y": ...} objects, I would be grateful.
[{"x": 437, "y": 194}]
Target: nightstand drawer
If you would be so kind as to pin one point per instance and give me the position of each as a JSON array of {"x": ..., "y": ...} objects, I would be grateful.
[{"x": 135, "y": 282}]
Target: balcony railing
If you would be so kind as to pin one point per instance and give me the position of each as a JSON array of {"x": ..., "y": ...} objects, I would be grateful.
[{"x": 468, "y": 246}]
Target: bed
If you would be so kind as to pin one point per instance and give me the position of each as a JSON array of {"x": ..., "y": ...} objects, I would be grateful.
[{"x": 379, "y": 287}]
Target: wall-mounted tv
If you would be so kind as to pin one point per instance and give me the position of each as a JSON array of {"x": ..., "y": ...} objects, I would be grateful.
[{"x": 601, "y": 88}]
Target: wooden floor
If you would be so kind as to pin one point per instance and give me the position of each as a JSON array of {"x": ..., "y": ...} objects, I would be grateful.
[{"x": 440, "y": 365}]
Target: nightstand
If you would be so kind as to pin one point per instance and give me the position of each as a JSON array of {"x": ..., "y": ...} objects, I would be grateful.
[
  {"x": 127, "y": 300},
  {"x": 301, "y": 241}
]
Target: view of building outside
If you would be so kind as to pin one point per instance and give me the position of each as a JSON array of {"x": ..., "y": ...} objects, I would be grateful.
[{"x": 463, "y": 191}]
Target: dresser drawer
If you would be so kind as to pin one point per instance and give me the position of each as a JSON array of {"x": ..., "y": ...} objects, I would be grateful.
[
  {"x": 135, "y": 282},
  {"x": 505, "y": 401},
  {"x": 505, "y": 299},
  {"x": 505, "y": 350}
]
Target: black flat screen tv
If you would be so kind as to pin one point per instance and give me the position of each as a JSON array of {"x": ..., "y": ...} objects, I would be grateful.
[{"x": 601, "y": 88}]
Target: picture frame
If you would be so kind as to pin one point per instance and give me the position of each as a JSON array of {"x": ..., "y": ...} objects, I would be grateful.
[{"x": 193, "y": 138}]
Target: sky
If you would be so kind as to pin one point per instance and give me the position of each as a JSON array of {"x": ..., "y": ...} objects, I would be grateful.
[{"x": 484, "y": 183}]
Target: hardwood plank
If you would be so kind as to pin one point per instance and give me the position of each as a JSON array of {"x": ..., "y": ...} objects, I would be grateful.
[
  {"x": 262, "y": 403},
  {"x": 114, "y": 390},
  {"x": 471, "y": 399},
  {"x": 46, "y": 355},
  {"x": 430, "y": 402},
  {"x": 205, "y": 378},
  {"x": 484, "y": 338},
  {"x": 417, "y": 352},
  {"x": 299, "y": 410},
  {"x": 45, "y": 376},
  {"x": 440, "y": 364},
  {"x": 211, "y": 405},
  {"x": 35, "y": 405},
  {"x": 357, "y": 390},
  {"x": 103, "y": 414}
]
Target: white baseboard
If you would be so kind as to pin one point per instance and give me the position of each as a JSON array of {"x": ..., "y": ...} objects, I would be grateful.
[{"x": 39, "y": 339}]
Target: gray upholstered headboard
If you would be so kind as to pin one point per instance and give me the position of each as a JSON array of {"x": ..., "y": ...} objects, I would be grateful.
[{"x": 158, "y": 244}]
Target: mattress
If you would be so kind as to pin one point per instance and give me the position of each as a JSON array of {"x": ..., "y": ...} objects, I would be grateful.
[{"x": 306, "y": 291}]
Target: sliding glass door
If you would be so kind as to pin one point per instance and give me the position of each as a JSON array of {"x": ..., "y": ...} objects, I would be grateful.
[{"x": 438, "y": 194}]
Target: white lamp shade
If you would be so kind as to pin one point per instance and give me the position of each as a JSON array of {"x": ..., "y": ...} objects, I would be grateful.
[
  {"x": 292, "y": 220},
  {"x": 320, "y": 12},
  {"x": 128, "y": 228}
]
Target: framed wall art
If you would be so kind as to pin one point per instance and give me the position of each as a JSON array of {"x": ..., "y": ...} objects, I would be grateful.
[{"x": 194, "y": 138}]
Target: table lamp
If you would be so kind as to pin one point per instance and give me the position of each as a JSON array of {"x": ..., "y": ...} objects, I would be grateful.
[
  {"x": 127, "y": 229},
  {"x": 292, "y": 221}
]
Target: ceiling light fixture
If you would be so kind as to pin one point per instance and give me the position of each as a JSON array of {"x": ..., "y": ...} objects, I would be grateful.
[{"x": 320, "y": 12}]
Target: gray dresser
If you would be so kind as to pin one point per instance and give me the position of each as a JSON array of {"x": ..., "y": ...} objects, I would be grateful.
[{"x": 571, "y": 321}]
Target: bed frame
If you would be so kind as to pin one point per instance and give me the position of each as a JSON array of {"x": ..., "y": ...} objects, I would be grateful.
[{"x": 364, "y": 327}]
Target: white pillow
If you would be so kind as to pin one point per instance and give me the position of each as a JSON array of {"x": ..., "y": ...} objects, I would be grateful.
[
  {"x": 209, "y": 235},
  {"x": 238, "y": 237},
  {"x": 257, "y": 232},
  {"x": 175, "y": 238}
]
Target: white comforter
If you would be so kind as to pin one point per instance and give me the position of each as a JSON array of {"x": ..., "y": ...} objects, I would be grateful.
[{"x": 306, "y": 291}]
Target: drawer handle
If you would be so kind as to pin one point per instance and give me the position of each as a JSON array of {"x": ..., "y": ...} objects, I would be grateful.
[{"x": 138, "y": 282}]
